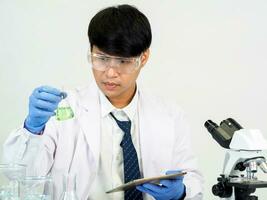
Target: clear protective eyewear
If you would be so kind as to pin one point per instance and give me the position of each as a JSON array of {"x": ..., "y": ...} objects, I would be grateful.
[{"x": 122, "y": 65}]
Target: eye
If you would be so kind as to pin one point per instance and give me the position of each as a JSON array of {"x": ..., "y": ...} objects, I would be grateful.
[
  {"x": 102, "y": 58},
  {"x": 123, "y": 61}
]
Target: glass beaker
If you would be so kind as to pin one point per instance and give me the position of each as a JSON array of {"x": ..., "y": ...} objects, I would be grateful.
[
  {"x": 69, "y": 188},
  {"x": 37, "y": 188},
  {"x": 10, "y": 177},
  {"x": 64, "y": 111}
]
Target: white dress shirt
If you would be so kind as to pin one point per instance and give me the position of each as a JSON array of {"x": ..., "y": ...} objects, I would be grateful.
[{"x": 110, "y": 173}]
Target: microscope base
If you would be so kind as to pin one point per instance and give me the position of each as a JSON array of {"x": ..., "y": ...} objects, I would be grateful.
[
  {"x": 245, "y": 188},
  {"x": 237, "y": 188}
]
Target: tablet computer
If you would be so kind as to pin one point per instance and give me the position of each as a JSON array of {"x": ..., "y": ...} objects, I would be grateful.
[{"x": 136, "y": 182}]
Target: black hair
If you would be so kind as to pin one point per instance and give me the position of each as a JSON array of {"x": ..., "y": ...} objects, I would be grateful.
[{"x": 120, "y": 31}]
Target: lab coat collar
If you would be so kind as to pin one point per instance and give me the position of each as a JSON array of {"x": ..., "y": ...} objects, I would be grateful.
[{"x": 130, "y": 110}]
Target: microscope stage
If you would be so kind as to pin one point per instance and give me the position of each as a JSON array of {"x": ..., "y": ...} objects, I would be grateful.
[{"x": 248, "y": 184}]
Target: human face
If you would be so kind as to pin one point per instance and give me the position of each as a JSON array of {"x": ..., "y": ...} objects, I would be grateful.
[{"x": 115, "y": 85}]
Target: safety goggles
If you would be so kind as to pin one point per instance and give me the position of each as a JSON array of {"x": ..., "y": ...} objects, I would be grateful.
[{"x": 122, "y": 65}]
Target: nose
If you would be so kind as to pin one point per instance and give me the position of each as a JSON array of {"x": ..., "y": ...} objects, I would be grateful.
[{"x": 111, "y": 72}]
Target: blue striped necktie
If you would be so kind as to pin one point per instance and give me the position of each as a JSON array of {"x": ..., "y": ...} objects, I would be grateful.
[{"x": 130, "y": 160}]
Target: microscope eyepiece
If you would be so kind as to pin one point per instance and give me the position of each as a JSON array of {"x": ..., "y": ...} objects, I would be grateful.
[
  {"x": 223, "y": 134},
  {"x": 210, "y": 125}
]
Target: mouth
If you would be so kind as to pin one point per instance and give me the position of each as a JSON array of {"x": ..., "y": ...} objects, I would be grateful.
[{"x": 110, "y": 85}]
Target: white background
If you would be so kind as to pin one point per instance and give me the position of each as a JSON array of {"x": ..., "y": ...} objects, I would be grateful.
[{"x": 208, "y": 56}]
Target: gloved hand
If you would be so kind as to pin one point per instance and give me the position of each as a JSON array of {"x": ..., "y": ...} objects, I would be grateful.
[
  {"x": 42, "y": 104},
  {"x": 171, "y": 189}
]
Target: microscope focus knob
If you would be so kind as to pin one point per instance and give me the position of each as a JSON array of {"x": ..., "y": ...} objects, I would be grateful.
[{"x": 221, "y": 190}]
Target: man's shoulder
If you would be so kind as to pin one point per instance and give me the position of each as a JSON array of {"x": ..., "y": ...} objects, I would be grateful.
[{"x": 159, "y": 103}]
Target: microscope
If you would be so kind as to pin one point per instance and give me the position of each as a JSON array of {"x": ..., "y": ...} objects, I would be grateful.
[{"x": 242, "y": 160}]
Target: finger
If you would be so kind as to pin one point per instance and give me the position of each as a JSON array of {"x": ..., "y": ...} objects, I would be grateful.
[
  {"x": 167, "y": 183},
  {"x": 141, "y": 188},
  {"x": 39, "y": 113},
  {"x": 175, "y": 172},
  {"x": 49, "y": 89},
  {"x": 145, "y": 190},
  {"x": 48, "y": 97},
  {"x": 153, "y": 187},
  {"x": 45, "y": 105}
]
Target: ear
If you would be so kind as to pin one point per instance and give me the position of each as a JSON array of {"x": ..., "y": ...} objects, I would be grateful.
[{"x": 144, "y": 57}]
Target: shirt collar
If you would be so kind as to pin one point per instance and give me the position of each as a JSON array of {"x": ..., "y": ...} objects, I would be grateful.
[{"x": 107, "y": 107}]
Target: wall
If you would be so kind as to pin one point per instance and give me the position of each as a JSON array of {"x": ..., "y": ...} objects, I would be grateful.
[{"x": 208, "y": 56}]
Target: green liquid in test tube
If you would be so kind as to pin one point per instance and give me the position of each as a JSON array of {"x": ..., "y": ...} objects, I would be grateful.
[{"x": 64, "y": 111}]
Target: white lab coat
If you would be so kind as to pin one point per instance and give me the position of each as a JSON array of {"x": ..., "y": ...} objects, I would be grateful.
[{"x": 73, "y": 145}]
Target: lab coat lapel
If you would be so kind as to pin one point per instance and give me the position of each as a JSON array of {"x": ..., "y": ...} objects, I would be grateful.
[
  {"x": 156, "y": 146},
  {"x": 90, "y": 120},
  {"x": 88, "y": 113}
]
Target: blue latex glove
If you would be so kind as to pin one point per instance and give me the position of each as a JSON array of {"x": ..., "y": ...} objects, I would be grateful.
[
  {"x": 171, "y": 189},
  {"x": 42, "y": 104}
]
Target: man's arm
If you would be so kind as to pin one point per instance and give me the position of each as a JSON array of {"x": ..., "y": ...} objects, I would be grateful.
[
  {"x": 34, "y": 143},
  {"x": 35, "y": 151}
]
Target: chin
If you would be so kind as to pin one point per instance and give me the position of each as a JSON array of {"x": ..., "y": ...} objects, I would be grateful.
[{"x": 110, "y": 94}]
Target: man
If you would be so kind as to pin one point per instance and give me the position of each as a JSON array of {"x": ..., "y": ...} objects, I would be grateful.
[{"x": 118, "y": 133}]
